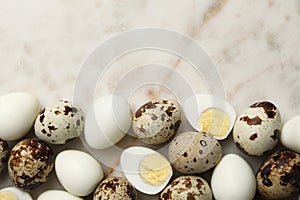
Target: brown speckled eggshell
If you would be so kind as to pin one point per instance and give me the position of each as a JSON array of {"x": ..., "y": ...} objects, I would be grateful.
[
  {"x": 194, "y": 152},
  {"x": 30, "y": 163},
  {"x": 279, "y": 175},
  {"x": 115, "y": 188},
  {"x": 187, "y": 187},
  {"x": 257, "y": 129},
  {"x": 4, "y": 151},
  {"x": 156, "y": 122}
]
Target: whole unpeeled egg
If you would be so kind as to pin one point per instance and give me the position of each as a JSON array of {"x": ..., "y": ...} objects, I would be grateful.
[
  {"x": 233, "y": 178},
  {"x": 78, "y": 172},
  {"x": 18, "y": 112},
  {"x": 107, "y": 121},
  {"x": 290, "y": 135},
  {"x": 4, "y": 152},
  {"x": 209, "y": 114},
  {"x": 257, "y": 129}
]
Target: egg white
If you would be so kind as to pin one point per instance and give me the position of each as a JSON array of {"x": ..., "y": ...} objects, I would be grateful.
[
  {"x": 195, "y": 105},
  {"x": 22, "y": 195},
  {"x": 130, "y": 161}
]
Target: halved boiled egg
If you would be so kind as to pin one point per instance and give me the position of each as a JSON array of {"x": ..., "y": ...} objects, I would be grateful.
[
  {"x": 209, "y": 114},
  {"x": 147, "y": 170},
  {"x": 12, "y": 193}
]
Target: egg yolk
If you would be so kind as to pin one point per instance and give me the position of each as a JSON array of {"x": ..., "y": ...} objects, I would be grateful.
[
  {"x": 6, "y": 195},
  {"x": 214, "y": 121},
  {"x": 154, "y": 169}
]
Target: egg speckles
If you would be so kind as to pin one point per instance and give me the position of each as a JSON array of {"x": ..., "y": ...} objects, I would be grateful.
[
  {"x": 30, "y": 163},
  {"x": 59, "y": 123},
  {"x": 3, "y": 153},
  {"x": 187, "y": 187},
  {"x": 279, "y": 175},
  {"x": 194, "y": 152},
  {"x": 157, "y": 121},
  {"x": 115, "y": 188},
  {"x": 257, "y": 129}
]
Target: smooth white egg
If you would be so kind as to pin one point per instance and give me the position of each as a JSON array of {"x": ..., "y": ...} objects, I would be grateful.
[
  {"x": 130, "y": 161},
  {"x": 78, "y": 172},
  {"x": 107, "y": 122},
  {"x": 233, "y": 178},
  {"x": 199, "y": 105},
  {"x": 12, "y": 193},
  {"x": 18, "y": 111},
  {"x": 290, "y": 134},
  {"x": 57, "y": 195}
]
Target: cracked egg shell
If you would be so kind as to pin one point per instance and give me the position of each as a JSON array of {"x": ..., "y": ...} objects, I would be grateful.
[
  {"x": 194, "y": 152},
  {"x": 156, "y": 122},
  {"x": 58, "y": 123},
  {"x": 30, "y": 163},
  {"x": 257, "y": 129},
  {"x": 279, "y": 175},
  {"x": 4, "y": 151},
  {"x": 115, "y": 188},
  {"x": 187, "y": 187}
]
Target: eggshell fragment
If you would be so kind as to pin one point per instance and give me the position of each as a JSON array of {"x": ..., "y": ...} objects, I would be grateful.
[
  {"x": 107, "y": 122},
  {"x": 78, "y": 172},
  {"x": 233, "y": 178},
  {"x": 18, "y": 112},
  {"x": 290, "y": 136},
  {"x": 279, "y": 175},
  {"x": 57, "y": 195},
  {"x": 257, "y": 130}
]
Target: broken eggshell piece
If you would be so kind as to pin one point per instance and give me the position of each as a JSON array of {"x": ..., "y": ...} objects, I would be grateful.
[{"x": 212, "y": 111}]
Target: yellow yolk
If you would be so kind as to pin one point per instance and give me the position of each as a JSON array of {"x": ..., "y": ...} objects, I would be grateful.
[
  {"x": 155, "y": 169},
  {"x": 214, "y": 121},
  {"x": 6, "y": 195}
]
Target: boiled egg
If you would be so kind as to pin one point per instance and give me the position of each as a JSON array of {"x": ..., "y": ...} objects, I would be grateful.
[
  {"x": 147, "y": 170},
  {"x": 209, "y": 114},
  {"x": 13, "y": 193}
]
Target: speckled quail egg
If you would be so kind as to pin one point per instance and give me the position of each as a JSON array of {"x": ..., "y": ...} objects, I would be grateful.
[
  {"x": 187, "y": 187},
  {"x": 257, "y": 129},
  {"x": 209, "y": 114},
  {"x": 155, "y": 122},
  {"x": 30, "y": 163},
  {"x": 194, "y": 152},
  {"x": 4, "y": 151},
  {"x": 115, "y": 188},
  {"x": 279, "y": 175},
  {"x": 58, "y": 123},
  {"x": 147, "y": 170},
  {"x": 12, "y": 193}
]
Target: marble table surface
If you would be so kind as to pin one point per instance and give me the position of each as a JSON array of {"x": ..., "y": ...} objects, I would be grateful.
[{"x": 252, "y": 45}]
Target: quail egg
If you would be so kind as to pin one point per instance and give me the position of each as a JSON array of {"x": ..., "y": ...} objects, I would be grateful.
[
  {"x": 12, "y": 193},
  {"x": 147, "y": 170},
  {"x": 209, "y": 114},
  {"x": 156, "y": 122},
  {"x": 290, "y": 136},
  {"x": 4, "y": 151},
  {"x": 58, "y": 123}
]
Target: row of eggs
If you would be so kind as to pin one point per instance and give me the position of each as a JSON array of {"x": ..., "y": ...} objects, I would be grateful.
[{"x": 261, "y": 119}]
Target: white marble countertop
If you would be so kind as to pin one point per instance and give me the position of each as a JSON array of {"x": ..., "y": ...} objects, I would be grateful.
[{"x": 254, "y": 45}]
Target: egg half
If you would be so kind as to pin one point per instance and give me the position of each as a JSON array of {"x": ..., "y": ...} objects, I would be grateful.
[
  {"x": 12, "y": 193},
  {"x": 209, "y": 114},
  {"x": 147, "y": 170}
]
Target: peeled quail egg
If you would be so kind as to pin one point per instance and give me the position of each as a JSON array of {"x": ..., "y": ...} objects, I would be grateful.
[
  {"x": 209, "y": 114},
  {"x": 12, "y": 193},
  {"x": 155, "y": 122},
  {"x": 147, "y": 170},
  {"x": 290, "y": 135},
  {"x": 57, "y": 195},
  {"x": 107, "y": 121}
]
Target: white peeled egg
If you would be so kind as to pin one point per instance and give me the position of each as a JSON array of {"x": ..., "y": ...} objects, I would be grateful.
[
  {"x": 107, "y": 122},
  {"x": 233, "y": 178},
  {"x": 131, "y": 159},
  {"x": 12, "y": 193},
  {"x": 18, "y": 112},
  {"x": 57, "y": 195},
  {"x": 195, "y": 106},
  {"x": 78, "y": 172},
  {"x": 290, "y": 134}
]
